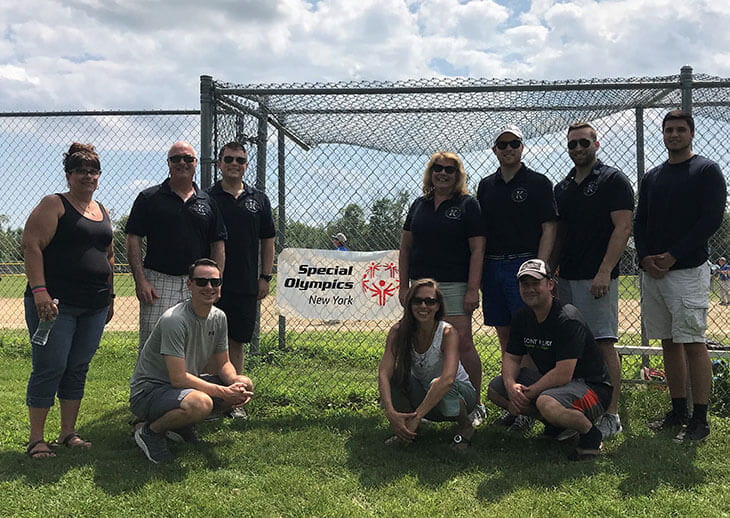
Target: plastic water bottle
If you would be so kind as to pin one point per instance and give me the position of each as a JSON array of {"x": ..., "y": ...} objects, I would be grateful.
[{"x": 40, "y": 337}]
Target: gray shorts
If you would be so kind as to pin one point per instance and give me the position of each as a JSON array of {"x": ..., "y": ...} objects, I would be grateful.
[
  {"x": 152, "y": 404},
  {"x": 453, "y": 293},
  {"x": 675, "y": 306},
  {"x": 591, "y": 400},
  {"x": 601, "y": 313}
]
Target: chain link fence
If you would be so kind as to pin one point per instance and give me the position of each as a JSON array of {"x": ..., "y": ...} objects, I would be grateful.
[{"x": 349, "y": 158}]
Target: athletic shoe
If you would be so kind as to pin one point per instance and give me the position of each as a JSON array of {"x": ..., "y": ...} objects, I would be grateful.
[
  {"x": 522, "y": 425},
  {"x": 695, "y": 431},
  {"x": 506, "y": 419},
  {"x": 477, "y": 416},
  {"x": 153, "y": 445},
  {"x": 609, "y": 425},
  {"x": 187, "y": 434},
  {"x": 566, "y": 434},
  {"x": 237, "y": 413},
  {"x": 669, "y": 421}
]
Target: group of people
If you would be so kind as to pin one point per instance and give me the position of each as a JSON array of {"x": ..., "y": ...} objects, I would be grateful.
[
  {"x": 208, "y": 261},
  {"x": 547, "y": 262}
]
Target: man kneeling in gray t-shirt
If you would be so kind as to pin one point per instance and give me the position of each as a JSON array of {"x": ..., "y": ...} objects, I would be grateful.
[{"x": 168, "y": 390}]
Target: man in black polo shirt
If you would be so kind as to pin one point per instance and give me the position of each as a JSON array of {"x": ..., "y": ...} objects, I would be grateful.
[
  {"x": 247, "y": 214},
  {"x": 681, "y": 204},
  {"x": 571, "y": 387},
  {"x": 180, "y": 224},
  {"x": 595, "y": 202}
]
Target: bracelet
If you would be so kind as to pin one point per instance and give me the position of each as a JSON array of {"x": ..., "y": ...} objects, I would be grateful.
[
  {"x": 266, "y": 277},
  {"x": 33, "y": 288},
  {"x": 38, "y": 289}
]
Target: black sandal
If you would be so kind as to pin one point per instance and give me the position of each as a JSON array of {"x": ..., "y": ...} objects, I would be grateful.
[
  {"x": 84, "y": 444},
  {"x": 33, "y": 454}
]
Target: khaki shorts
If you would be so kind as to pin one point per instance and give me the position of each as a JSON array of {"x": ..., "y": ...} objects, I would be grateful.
[
  {"x": 453, "y": 293},
  {"x": 601, "y": 313},
  {"x": 675, "y": 306}
]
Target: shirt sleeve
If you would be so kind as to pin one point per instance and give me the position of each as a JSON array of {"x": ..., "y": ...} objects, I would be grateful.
[
  {"x": 268, "y": 228},
  {"x": 516, "y": 344},
  {"x": 640, "y": 219},
  {"x": 409, "y": 218},
  {"x": 138, "y": 217},
  {"x": 173, "y": 335},
  {"x": 620, "y": 192},
  {"x": 221, "y": 333}
]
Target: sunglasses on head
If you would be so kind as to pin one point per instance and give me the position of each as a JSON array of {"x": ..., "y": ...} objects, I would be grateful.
[
  {"x": 203, "y": 281},
  {"x": 450, "y": 169},
  {"x": 239, "y": 159},
  {"x": 175, "y": 159},
  {"x": 429, "y": 301},
  {"x": 514, "y": 144},
  {"x": 584, "y": 143}
]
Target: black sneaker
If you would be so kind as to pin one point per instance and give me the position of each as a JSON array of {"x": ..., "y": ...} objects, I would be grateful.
[
  {"x": 153, "y": 445},
  {"x": 669, "y": 421},
  {"x": 695, "y": 431},
  {"x": 187, "y": 434},
  {"x": 506, "y": 419}
]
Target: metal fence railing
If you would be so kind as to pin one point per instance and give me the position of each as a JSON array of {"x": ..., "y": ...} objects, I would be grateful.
[{"x": 349, "y": 158}]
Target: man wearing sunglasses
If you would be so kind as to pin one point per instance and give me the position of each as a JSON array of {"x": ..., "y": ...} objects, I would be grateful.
[
  {"x": 180, "y": 224},
  {"x": 681, "y": 205},
  {"x": 250, "y": 224},
  {"x": 169, "y": 393},
  {"x": 595, "y": 203},
  {"x": 570, "y": 387},
  {"x": 520, "y": 223}
]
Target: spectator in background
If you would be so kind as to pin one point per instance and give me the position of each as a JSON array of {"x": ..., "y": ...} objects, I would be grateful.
[
  {"x": 69, "y": 263},
  {"x": 723, "y": 279},
  {"x": 443, "y": 239},
  {"x": 338, "y": 241},
  {"x": 180, "y": 224},
  {"x": 681, "y": 204}
]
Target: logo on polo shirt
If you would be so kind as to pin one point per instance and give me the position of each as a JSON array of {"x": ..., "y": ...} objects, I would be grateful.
[
  {"x": 453, "y": 213},
  {"x": 200, "y": 208},
  {"x": 251, "y": 205},
  {"x": 591, "y": 188},
  {"x": 519, "y": 195}
]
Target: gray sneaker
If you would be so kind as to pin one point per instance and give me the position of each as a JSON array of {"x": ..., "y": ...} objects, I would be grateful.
[
  {"x": 522, "y": 425},
  {"x": 153, "y": 445},
  {"x": 477, "y": 416},
  {"x": 187, "y": 434},
  {"x": 609, "y": 425}
]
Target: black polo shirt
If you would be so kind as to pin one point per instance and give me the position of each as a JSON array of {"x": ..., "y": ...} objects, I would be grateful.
[
  {"x": 177, "y": 232},
  {"x": 585, "y": 218},
  {"x": 680, "y": 207},
  {"x": 563, "y": 335},
  {"x": 514, "y": 212},
  {"x": 440, "y": 247},
  {"x": 248, "y": 219}
]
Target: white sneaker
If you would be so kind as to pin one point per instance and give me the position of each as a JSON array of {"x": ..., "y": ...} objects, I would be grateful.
[
  {"x": 609, "y": 425},
  {"x": 477, "y": 416}
]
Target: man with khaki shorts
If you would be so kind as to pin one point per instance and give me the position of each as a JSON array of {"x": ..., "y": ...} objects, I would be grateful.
[{"x": 681, "y": 204}]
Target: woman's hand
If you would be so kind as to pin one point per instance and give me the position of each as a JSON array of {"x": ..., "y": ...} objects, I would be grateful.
[
  {"x": 45, "y": 306},
  {"x": 402, "y": 424}
]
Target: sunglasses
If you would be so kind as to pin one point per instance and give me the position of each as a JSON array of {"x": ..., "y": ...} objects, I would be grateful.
[
  {"x": 429, "y": 301},
  {"x": 584, "y": 143},
  {"x": 84, "y": 172},
  {"x": 239, "y": 159},
  {"x": 450, "y": 169},
  {"x": 514, "y": 144},
  {"x": 203, "y": 281},
  {"x": 175, "y": 159}
]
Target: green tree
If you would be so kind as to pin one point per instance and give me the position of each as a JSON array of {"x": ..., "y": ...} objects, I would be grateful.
[{"x": 386, "y": 222}]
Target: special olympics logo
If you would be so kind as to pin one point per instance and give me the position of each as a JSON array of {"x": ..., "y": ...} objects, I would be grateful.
[{"x": 380, "y": 281}]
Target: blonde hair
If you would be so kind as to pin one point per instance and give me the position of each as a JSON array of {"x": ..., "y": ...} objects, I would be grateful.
[{"x": 460, "y": 185}]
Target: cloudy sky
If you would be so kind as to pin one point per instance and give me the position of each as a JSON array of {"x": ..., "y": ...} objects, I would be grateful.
[{"x": 149, "y": 54}]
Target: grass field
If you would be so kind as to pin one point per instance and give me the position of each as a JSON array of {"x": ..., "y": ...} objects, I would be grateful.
[{"x": 310, "y": 451}]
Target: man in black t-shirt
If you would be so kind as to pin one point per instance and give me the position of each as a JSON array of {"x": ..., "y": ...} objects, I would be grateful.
[
  {"x": 595, "y": 202},
  {"x": 247, "y": 214},
  {"x": 571, "y": 387}
]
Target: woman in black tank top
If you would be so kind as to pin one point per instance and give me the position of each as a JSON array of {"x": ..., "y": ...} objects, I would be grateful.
[{"x": 69, "y": 263}]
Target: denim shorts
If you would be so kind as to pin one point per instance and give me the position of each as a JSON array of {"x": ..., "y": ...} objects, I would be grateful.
[
  {"x": 500, "y": 291},
  {"x": 60, "y": 366},
  {"x": 407, "y": 399}
]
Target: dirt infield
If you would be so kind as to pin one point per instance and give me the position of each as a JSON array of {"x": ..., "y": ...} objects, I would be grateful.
[{"x": 127, "y": 308}]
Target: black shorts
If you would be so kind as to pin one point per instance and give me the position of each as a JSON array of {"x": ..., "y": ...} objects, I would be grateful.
[{"x": 240, "y": 312}]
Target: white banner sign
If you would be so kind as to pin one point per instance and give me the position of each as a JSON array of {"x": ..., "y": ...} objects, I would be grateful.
[{"x": 335, "y": 285}]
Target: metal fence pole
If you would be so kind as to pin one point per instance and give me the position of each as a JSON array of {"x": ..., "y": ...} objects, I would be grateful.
[
  {"x": 640, "y": 169},
  {"x": 206, "y": 131},
  {"x": 685, "y": 81},
  {"x": 281, "y": 223}
]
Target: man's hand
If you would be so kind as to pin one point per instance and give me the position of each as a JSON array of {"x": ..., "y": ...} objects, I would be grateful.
[
  {"x": 263, "y": 289},
  {"x": 236, "y": 394},
  {"x": 665, "y": 260},
  {"x": 146, "y": 291},
  {"x": 402, "y": 424},
  {"x": 471, "y": 299},
  {"x": 601, "y": 283},
  {"x": 518, "y": 399},
  {"x": 651, "y": 265}
]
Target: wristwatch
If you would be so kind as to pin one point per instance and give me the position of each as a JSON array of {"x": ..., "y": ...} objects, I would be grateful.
[{"x": 266, "y": 277}]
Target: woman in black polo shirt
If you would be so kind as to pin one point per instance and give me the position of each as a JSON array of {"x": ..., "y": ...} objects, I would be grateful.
[{"x": 443, "y": 240}]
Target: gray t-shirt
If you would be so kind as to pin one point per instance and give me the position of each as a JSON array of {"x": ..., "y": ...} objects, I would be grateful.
[{"x": 183, "y": 334}]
